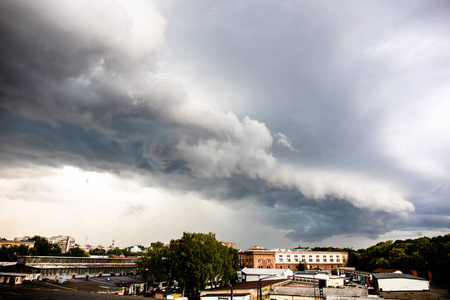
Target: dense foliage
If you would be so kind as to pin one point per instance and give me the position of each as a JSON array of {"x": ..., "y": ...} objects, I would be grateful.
[
  {"x": 193, "y": 261},
  {"x": 422, "y": 255},
  {"x": 11, "y": 253},
  {"x": 76, "y": 252},
  {"x": 42, "y": 247}
]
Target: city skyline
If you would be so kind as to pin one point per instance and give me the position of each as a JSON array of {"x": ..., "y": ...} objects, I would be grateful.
[{"x": 272, "y": 124}]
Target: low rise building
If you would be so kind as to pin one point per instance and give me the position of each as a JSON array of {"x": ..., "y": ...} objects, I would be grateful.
[
  {"x": 281, "y": 289},
  {"x": 392, "y": 282},
  {"x": 52, "y": 267},
  {"x": 242, "y": 291},
  {"x": 254, "y": 274}
]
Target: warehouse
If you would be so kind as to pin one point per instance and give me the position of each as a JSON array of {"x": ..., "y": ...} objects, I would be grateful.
[{"x": 391, "y": 282}]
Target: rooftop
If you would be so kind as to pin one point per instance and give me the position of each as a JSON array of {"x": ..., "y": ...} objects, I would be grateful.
[{"x": 396, "y": 276}]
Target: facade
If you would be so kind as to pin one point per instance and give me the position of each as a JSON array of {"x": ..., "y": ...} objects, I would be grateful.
[
  {"x": 64, "y": 242},
  {"x": 262, "y": 259},
  {"x": 278, "y": 259},
  {"x": 314, "y": 260},
  {"x": 392, "y": 282}
]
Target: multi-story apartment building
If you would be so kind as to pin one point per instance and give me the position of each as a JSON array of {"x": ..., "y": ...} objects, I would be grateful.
[
  {"x": 287, "y": 259},
  {"x": 65, "y": 242}
]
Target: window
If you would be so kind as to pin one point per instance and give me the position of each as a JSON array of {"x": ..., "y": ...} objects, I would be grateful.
[
  {"x": 310, "y": 260},
  {"x": 331, "y": 260},
  {"x": 324, "y": 260},
  {"x": 317, "y": 260}
]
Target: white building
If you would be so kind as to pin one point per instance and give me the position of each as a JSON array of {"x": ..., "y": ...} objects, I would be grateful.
[
  {"x": 255, "y": 274},
  {"x": 392, "y": 282},
  {"x": 65, "y": 242},
  {"x": 314, "y": 259}
]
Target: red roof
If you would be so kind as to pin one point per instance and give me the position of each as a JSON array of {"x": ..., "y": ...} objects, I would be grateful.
[{"x": 384, "y": 270}]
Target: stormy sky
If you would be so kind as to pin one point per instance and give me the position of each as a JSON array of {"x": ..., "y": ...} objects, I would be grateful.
[{"x": 270, "y": 123}]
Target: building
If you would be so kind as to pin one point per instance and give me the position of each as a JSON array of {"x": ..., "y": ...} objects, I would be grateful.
[
  {"x": 136, "y": 248},
  {"x": 282, "y": 289},
  {"x": 8, "y": 243},
  {"x": 262, "y": 259},
  {"x": 314, "y": 260},
  {"x": 242, "y": 291},
  {"x": 258, "y": 257},
  {"x": 65, "y": 242},
  {"x": 254, "y": 274},
  {"x": 229, "y": 244},
  {"x": 393, "y": 282},
  {"x": 52, "y": 267}
]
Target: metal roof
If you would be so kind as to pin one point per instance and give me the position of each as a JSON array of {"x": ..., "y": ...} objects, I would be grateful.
[{"x": 396, "y": 276}]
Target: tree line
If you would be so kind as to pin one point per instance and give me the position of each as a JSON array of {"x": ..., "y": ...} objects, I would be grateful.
[
  {"x": 422, "y": 255},
  {"x": 42, "y": 247},
  {"x": 195, "y": 260}
]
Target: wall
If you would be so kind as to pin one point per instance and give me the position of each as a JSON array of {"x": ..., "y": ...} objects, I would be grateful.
[{"x": 402, "y": 284}]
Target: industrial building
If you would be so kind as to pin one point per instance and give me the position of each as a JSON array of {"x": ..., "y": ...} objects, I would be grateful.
[{"x": 393, "y": 282}]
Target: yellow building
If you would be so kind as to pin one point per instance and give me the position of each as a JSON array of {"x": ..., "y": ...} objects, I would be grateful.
[{"x": 7, "y": 244}]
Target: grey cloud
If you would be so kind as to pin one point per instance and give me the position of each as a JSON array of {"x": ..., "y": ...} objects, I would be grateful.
[{"x": 71, "y": 96}]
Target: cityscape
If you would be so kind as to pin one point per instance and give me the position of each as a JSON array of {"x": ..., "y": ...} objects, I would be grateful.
[
  {"x": 213, "y": 150},
  {"x": 197, "y": 265}
]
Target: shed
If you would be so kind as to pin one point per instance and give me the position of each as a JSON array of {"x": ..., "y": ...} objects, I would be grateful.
[{"x": 391, "y": 282}]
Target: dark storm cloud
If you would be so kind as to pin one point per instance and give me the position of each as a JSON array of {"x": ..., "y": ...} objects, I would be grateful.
[{"x": 91, "y": 95}]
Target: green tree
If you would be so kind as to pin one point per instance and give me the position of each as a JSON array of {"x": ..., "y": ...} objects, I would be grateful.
[
  {"x": 42, "y": 247},
  {"x": 155, "y": 264},
  {"x": 302, "y": 266},
  {"x": 76, "y": 252},
  {"x": 97, "y": 251},
  {"x": 114, "y": 252},
  {"x": 11, "y": 253},
  {"x": 198, "y": 258}
]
